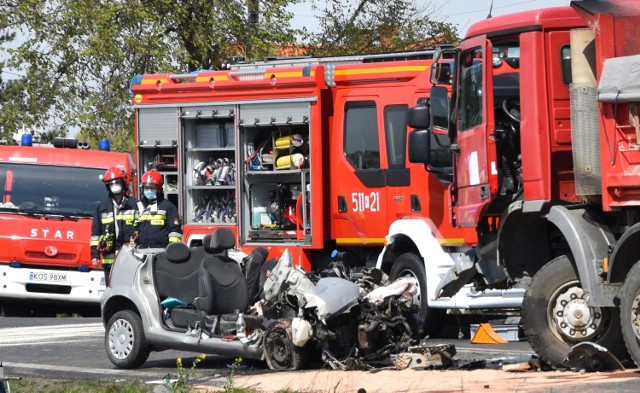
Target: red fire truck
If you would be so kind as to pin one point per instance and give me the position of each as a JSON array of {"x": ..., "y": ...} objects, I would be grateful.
[
  {"x": 307, "y": 154},
  {"x": 49, "y": 194},
  {"x": 544, "y": 132}
]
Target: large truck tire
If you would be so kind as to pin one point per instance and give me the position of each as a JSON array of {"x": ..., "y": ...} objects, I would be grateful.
[
  {"x": 556, "y": 316},
  {"x": 410, "y": 265},
  {"x": 125, "y": 341},
  {"x": 630, "y": 312}
]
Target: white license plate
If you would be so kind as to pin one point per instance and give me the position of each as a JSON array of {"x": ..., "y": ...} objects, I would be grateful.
[{"x": 49, "y": 277}]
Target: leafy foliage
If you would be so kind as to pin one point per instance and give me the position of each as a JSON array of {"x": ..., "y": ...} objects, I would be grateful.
[
  {"x": 78, "y": 56},
  {"x": 11, "y": 97},
  {"x": 378, "y": 26}
]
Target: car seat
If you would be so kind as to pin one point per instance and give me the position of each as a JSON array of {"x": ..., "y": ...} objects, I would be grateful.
[
  {"x": 222, "y": 285},
  {"x": 176, "y": 273}
]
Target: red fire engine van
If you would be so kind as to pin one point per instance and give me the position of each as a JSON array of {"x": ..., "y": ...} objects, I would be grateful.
[
  {"x": 49, "y": 194},
  {"x": 307, "y": 154}
]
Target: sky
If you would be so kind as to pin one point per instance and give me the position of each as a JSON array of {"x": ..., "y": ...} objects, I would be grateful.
[{"x": 462, "y": 13}]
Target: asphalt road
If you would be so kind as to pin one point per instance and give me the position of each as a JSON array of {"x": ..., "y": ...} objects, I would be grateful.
[{"x": 73, "y": 349}]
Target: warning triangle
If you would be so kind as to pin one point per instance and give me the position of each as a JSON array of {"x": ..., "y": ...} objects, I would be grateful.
[{"x": 486, "y": 335}]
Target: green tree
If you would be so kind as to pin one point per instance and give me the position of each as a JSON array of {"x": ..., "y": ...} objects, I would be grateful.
[
  {"x": 79, "y": 56},
  {"x": 377, "y": 26},
  {"x": 12, "y": 108}
]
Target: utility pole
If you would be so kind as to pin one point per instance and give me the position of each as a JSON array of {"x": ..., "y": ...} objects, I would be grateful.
[{"x": 252, "y": 26}]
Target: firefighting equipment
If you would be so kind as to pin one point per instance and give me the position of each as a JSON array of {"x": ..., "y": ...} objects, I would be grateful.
[
  {"x": 254, "y": 160},
  {"x": 115, "y": 177},
  {"x": 217, "y": 207},
  {"x": 214, "y": 172},
  {"x": 286, "y": 161},
  {"x": 284, "y": 142},
  {"x": 296, "y": 140},
  {"x": 152, "y": 178},
  {"x": 105, "y": 242}
]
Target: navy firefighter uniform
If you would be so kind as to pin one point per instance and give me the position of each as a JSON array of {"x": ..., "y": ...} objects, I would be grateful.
[
  {"x": 157, "y": 221},
  {"x": 113, "y": 220}
]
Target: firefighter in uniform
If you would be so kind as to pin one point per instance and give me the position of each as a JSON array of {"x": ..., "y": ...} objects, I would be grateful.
[
  {"x": 113, "y": 220},
  {"x": 157, "y": 221}
]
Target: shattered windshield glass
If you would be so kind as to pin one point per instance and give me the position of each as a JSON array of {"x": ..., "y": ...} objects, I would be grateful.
[{"x": 50, "y": 190}]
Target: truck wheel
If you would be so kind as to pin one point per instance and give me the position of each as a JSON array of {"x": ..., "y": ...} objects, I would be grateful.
[
  {"x": 124, "y": 340},
  {"x": 410, "y": 265},
  {"x": 630, "y": 312},
  {"x": 556, "y": 316},
  {"x": 279, "y": 351}
]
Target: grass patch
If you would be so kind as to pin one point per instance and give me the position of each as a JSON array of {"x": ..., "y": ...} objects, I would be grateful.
[{"x": 40, "y": 385}]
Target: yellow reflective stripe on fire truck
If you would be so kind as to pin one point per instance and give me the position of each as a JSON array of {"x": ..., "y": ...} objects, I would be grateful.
[
  {"x": 379, "y": 70},
  {"x": 152, "y": 81},
  {"x": 456, "y": 241},
  {"x": 360, "y": 240},
  {"x": 207, "y": 78}
]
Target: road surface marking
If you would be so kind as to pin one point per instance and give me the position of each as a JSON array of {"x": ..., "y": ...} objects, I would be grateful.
[{"x": 36, "y": 335}]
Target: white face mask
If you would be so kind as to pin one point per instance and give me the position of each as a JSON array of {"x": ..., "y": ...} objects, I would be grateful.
[{"x": 115, "y": 189}]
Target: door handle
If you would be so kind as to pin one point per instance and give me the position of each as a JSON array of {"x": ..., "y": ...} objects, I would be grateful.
[
  {"x": 455, "y": 148},
  {"x": 342, "y": 204}
]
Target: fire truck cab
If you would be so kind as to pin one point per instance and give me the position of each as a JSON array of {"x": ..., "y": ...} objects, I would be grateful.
[{"x": 49, "y": 194}]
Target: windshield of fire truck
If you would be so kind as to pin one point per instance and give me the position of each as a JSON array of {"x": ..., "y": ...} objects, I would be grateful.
[{"x": 50, "y": 189}]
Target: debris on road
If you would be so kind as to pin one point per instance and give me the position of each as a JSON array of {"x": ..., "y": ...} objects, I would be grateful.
[{"x": 590, "y": 356}]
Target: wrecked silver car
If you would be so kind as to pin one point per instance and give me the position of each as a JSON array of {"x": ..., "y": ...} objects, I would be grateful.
[{"x": 200, "y": 299}]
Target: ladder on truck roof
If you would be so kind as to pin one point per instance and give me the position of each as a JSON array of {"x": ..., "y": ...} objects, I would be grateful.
[{"x": 246, "y": 70}]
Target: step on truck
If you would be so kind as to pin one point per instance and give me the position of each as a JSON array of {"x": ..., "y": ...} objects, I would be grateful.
[
  {"x": 543, "y": 129},
  {"x": 49, "y": 194},
  {"x": 308, "y": 154}
]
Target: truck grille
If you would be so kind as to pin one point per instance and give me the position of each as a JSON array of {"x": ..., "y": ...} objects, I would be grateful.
[{"x": 42, "y": 255}]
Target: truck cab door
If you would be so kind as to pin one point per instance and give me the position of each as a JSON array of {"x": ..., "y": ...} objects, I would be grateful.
[
  {"x": 358, "y": 178},
  {"x": 476, "y": 177}
]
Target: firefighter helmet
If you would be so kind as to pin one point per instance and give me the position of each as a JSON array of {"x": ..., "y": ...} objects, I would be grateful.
[
  {"x": 115, "y": 173},
  {"x": 152, "y": 178}
]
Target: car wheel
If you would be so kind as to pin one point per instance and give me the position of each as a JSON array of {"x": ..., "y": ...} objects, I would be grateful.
[
  {"x": 124, "y": 340},
  {"x": 630, "y": 312},
  {"x": 556, "y": 316},
  {"x": 279, "y": 351},
  {"x": 410, "y": 265}
]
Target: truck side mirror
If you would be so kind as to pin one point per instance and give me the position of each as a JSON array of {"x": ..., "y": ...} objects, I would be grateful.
[
  {"x": 441, "y": 73},
  {"x": 420, "y": 146},
  {"x": 439, "y": 103},
  {"x": 419, "y": 116}
]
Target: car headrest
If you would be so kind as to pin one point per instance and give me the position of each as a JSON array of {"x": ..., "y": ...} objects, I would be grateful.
[
  {"x": 261, "y": 252},
  {"x": 206, "y": 242},
  {"x": 222, "y": 239},
  {"x": 177, "y": 252}
]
